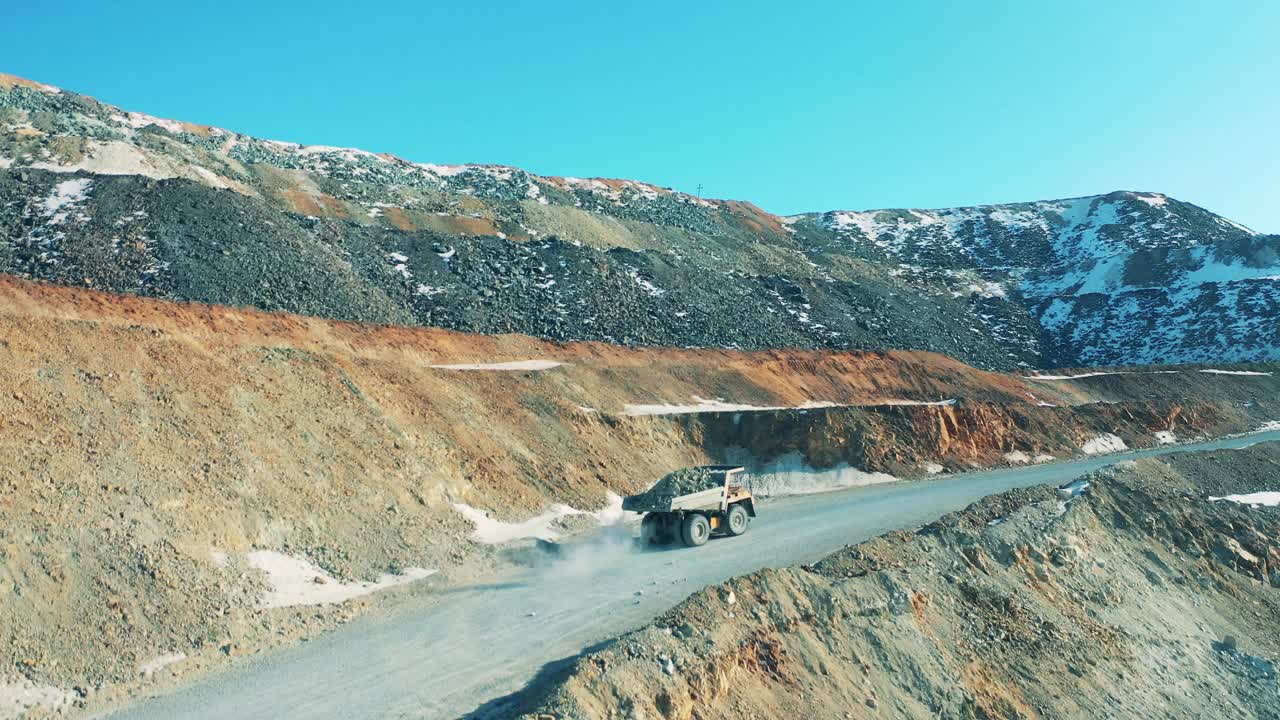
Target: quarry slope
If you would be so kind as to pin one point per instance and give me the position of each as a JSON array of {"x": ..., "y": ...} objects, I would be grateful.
[
  {"x": 463, "y": 655},
  {"x": 181, "y": 473},
  {"x": 100, "y": 196},
  {"x": 1143, "y": 594}
]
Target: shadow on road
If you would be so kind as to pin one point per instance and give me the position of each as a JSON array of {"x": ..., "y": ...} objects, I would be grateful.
[{"x": 521, "y": 701}]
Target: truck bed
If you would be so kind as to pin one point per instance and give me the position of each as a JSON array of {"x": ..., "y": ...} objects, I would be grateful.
[
  {"x": 709, "y": 499},
  {"x": 665, "y": 495},
  {"x": 712, "y": 499}
]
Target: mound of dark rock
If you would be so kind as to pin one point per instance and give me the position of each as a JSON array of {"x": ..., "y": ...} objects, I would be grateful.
[{"x": 680, "y": 482}]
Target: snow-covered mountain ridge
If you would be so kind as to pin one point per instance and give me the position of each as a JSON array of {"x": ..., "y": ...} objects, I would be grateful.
[
  {"x": 1120, "y": 278},
  {"x": 98, "y": 195}
]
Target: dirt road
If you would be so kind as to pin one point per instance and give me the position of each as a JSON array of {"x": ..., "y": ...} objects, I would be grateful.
[{"x": 458, "y": 653}]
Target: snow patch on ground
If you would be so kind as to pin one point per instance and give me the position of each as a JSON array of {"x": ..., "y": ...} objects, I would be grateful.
[
  {"x": 933, "y": 468},
  {"x": 17, "y": 697},
  {"x": 1166, "y": 437},
  {"x": 348, "y": 154},
  {"x": 1068, "y": 377},
  {"x": 512, "y": 365},
  {"x": 494, "y": 532},
  {"x": 1104, "y": 443},
  {"x": 705, "y": 405},
  {"x": 443, "y": 170},
  {"x": 160, "y": 662},
  {"x": 648, "y": 287},
  {"x": 1152, "y": 372},
  {"x": 948, "y": 401},
  {"x": 297, "y": 581},
  {"x": 790, "y": 474},
  {"x": 1269, "y": 499},
  {"x": 65, "y": 196},
  {"x": 699, "y": 405},
  {"x": 1017, "y": 457},
  {"x": 139, "y": 120},
  {"x": 1249, "y": 373},
  {"x": 1213, "y": 271}
]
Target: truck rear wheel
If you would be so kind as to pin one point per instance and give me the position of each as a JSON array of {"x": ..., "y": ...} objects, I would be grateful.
[
  {"x": 737, "y": 523},
  {"x": 650, "y": 529},
  {"x": 695, "y": 530}
]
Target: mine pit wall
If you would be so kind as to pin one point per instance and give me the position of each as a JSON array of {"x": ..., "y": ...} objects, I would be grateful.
[
  {"x": 144, "y": 435},
  {"x": 859, "y": 446}
]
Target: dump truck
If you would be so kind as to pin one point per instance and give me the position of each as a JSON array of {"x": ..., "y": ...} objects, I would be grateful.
[{"x": 693, "y": 504}]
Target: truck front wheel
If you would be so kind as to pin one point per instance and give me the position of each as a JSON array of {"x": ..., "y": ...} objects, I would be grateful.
[
  {"x": 695, "y": 530},
  {"x": 737, "y": 523}
]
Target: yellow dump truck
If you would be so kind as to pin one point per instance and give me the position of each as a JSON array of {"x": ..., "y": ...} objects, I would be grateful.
[{"x": 693, "y": 504}]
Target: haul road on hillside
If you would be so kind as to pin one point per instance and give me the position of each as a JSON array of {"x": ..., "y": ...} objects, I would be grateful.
[{"x": 693, "y": 504}]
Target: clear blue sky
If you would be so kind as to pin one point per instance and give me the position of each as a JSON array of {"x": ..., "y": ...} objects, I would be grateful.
[{"x": 795, "y": 106}]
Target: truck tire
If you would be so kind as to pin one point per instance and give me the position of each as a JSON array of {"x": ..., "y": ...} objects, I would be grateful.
[
  {"x": 650, "y": 529},
  {"x": 737, "y": 523},
  {"x": 695, "y": 530}
]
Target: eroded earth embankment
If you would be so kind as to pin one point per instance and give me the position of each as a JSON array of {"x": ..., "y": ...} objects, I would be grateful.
[
  {"x": 1151, "y": 588},
  {"x": 187, "y": 483}
]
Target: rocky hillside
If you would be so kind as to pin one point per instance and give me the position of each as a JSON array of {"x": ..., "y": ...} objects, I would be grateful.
[
  {"x": 94, "y": 195},
  {"x": 166, "y": 457},
  {"x": 1139, "y": 592}
]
